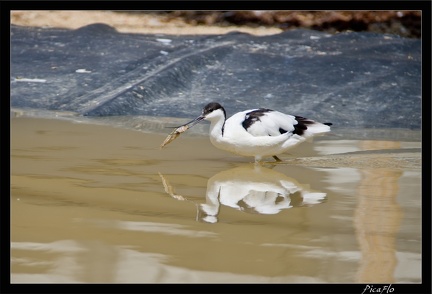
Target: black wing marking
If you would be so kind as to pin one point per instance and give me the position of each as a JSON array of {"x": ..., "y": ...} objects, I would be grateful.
[
  {"x": 253, "y": 116},
  {"x": 282, "y": 131},
  {"x": 301, "y": 125}
]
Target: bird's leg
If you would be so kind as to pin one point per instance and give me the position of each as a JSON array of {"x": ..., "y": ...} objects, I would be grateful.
[{"x": 277, "y": 158}]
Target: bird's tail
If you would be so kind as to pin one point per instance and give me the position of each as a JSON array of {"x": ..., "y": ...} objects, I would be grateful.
[
  {"x": 317, "y": 128},
  {"x": 305, "y": 131}
]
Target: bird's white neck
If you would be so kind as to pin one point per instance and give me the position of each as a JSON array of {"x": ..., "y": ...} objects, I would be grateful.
[
  {"x": 217, "y": 125},
  {"x": 217, "y": 128}
]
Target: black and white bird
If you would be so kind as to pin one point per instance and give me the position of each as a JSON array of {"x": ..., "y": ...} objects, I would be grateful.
[{"x": 257, "y": 132}]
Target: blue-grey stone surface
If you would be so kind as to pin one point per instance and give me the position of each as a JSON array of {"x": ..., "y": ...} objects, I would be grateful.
[{"x": 349, "y": 79}]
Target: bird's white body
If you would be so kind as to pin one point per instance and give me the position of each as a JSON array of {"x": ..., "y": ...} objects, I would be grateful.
[
  {"x": 258, "y": 132},
  {"x": 262, "y": 138}
]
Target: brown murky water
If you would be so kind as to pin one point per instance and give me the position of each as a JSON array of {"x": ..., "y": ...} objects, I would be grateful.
[{"x": 102, "y": 204}]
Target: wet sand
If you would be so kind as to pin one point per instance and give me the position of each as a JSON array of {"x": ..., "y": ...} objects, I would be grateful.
[{"x": 95, "y": 203}]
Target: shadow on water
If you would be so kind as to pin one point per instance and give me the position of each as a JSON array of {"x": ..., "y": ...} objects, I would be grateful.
[{"x": 94, "y": 203}]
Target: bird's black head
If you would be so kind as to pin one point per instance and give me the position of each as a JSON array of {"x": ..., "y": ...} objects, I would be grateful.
[
  {"x": 207, "y": 110},
  {"x": 212, "y": 106}
]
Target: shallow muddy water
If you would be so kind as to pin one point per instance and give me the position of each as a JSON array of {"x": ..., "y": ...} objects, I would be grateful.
[{"x": 92, "y": 203}]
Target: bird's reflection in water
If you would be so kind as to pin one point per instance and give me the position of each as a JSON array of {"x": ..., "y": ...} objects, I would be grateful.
[{"x": 250, "y": 188}]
